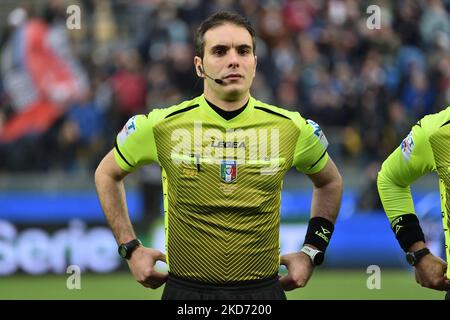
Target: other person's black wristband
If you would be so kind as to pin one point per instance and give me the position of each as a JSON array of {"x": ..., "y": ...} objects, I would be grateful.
[
  {"x": 407, "y": 230},
  {"x": 319, "y": 233}
]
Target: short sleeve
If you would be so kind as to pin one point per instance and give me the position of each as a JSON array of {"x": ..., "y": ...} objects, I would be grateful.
[
  {"x": 311, "y": 148},
  {"x": 135, "y": 144},
  {"x": 411, "y": 160}
]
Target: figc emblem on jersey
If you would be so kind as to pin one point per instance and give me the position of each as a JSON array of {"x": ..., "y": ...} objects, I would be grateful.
[
  {"x": 319, "y": 133},
  {"x": 228, "y": 170},
  {"x": 407, "y": 146},
  {"x": 127, "y": 130}
]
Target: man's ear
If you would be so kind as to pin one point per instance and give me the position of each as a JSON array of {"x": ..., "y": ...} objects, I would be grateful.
[
  {"x": 198, "y": 66},
  {"x": 256, "y": 63}
]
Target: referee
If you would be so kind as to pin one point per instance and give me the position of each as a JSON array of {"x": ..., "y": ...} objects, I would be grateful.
[
  {"x": 425, "y": 149},
  {"x": 223, "y": 156}
]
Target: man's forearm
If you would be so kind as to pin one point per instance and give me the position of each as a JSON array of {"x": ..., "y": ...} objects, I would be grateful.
[
  {"x": 326, "y": 200},
  {"x": 325, "y": 205},
  {"x": 111, "y": 193}
]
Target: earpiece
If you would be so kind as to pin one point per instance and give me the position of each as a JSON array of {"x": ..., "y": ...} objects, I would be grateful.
[{"x": 218, "y": 81}]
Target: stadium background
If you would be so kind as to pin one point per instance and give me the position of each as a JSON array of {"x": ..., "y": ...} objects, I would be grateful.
[{"x": 364, "y": 87}]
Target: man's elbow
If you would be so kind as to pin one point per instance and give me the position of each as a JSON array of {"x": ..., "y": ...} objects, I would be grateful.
[
  {"x": 338, "y": 182},
  {"x": 334, "y": 184},
  {"x": 102, "y": 171},
  {"x": 335, "y": 180},
  {"x": 108, "y": 169},
  {"x": 98, "y": 174}
]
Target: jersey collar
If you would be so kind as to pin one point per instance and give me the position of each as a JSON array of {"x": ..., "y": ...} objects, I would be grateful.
[{"x": 217, "y": 118}]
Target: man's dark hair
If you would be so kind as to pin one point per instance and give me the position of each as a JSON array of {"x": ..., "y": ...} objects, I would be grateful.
[{"x": 218, "y": 19}]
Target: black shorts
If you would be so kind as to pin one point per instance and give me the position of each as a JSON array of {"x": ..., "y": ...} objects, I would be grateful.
[{"x": 183, "y": 289}]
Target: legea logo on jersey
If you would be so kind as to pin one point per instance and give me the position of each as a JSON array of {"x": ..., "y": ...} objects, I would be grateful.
[
  {"x": 228, "y": 170},
  {"x": 252, "y": 146},
  {"x": 127, "y": 130},
  {"x": 407, "y": 146}
]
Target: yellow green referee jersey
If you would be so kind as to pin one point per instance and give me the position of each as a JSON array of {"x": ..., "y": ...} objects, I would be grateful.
[
  {"x": 222, "y": 182},
  {"x": 425, "y": 149}
]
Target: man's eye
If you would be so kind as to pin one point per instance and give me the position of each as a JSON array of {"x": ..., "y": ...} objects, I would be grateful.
[
  {"x": 219, "y": 52},
  {"x": 244, "y": 51}
]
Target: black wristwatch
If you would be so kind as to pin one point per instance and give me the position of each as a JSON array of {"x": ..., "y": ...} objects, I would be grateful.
[
  {"x": 413, "y": 258},
  {"x": 126, "y": 249},
  {"x": 315, "y": 255}
]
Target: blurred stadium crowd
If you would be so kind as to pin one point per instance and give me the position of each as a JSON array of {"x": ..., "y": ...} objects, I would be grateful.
[{"x": 64, "y": 94}]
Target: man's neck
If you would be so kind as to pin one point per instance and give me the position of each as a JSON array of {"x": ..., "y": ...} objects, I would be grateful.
[
  {"x": 227, "y": 105},
  {"x": 227, "y": 115}
]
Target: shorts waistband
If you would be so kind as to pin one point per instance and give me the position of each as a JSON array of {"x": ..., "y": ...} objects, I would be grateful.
[{"x": 236, "y": 285}]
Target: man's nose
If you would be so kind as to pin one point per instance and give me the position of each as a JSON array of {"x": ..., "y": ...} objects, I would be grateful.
[{"x": 234, "y": 59}]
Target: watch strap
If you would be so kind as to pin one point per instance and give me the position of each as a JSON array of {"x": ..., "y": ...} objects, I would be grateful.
[
  {"x": 315, "y": 255},
  {"x": 126, "y": 249},
  {"x": 418, "y": 255}
]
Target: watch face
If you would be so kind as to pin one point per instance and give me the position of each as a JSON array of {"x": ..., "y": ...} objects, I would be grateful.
[
  {"x": 319, "y": 257},
  {"x": 123, "y": 251},
  {"x": 410, "y": 258}
]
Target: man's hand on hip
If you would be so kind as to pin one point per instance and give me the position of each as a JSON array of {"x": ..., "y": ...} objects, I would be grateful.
[
  {"x": 300, "y": 269},
  {"x": 142, "y": 266},
  {"x": 430, "y": 273}
]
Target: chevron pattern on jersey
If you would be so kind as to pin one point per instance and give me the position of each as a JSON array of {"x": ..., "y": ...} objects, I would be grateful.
[
  {"x": 440, "y": 144},
  {"x": 221, "y": 232}
]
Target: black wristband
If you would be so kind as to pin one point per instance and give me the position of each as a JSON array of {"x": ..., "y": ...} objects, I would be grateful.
[
  {"x": 407, "y": 230},
  {"x": 319, "y": 233}
]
